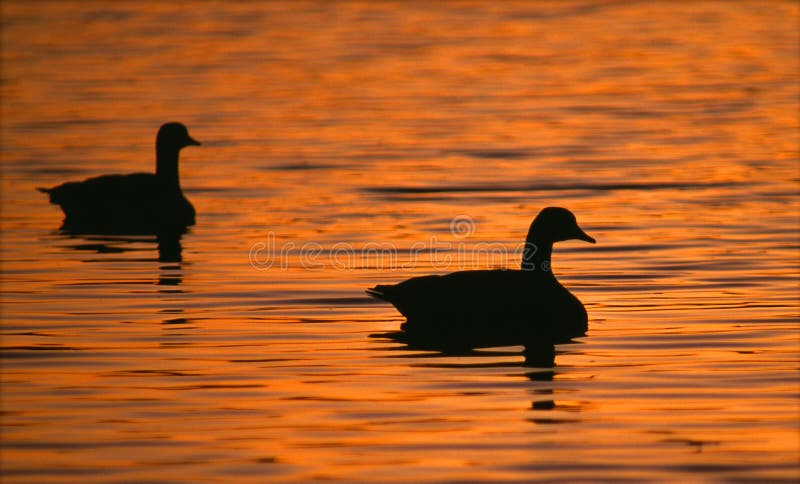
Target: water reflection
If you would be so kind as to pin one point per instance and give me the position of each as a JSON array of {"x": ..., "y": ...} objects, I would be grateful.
[
  {"x": 541, "y": 360},
  {"x": 170, "y": 276},
  {"x": 537, "y": 353},
  {"x": 169, "y": 247},
  {"x": 168, "y": 244}
]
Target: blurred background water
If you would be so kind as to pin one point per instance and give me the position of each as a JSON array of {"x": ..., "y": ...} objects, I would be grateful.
[{"x": 670, "y": 129}]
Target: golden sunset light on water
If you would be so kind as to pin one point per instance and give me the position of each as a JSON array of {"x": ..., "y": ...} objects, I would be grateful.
[{"x": 210, "y": 318}]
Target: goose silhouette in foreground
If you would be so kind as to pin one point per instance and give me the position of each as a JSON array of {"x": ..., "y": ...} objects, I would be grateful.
[
  {"x": 486, "y": 308},
  {"x": 139, "y": 203}
]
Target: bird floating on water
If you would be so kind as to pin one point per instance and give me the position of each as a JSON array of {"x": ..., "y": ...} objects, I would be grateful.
[
  {"x": 139, "y": 203},
  {"x": 486, "y": 308}
]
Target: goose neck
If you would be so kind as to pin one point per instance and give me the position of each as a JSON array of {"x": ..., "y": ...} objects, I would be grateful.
[
  {"x": 536, "y": 255},
  {"x": 167, "y": 166}
]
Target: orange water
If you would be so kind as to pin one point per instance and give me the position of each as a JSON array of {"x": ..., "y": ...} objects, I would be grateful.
[{"x": 671, "y": 130}]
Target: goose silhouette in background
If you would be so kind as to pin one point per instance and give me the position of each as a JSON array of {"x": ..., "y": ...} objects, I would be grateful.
[
  {"x": 486, "y": 308},
  {"x": 139, "y": 203}
]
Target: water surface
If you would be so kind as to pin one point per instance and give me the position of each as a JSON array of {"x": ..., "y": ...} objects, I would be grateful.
[{"x": 332, "y": 129}]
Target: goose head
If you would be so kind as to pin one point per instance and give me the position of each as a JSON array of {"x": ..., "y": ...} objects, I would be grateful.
[
  {"x": 553, "y": 224},
  {"x": 173, "y": 137},
  {"x": 556, "y": 224}
]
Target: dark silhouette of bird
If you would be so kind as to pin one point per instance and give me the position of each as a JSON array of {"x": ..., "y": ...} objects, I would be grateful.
[
  {"x": 485, "y": 308},
  {"x": 139, "y": 203}
]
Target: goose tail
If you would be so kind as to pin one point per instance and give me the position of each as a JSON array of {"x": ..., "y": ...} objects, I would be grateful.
[
  {"x": 50, "y": 192},
  {"x": 378, "y": 293}
]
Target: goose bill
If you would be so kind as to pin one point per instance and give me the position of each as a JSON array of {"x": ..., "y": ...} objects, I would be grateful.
[{"x": 581, "y": 235}]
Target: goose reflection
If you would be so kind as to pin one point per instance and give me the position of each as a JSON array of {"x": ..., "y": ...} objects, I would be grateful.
[
  {"x": 541, "y": 371},
  {"x": 170, "y": 253},
  {"x": 170, "y": 267},
  {"x": 492, "y": 308},
  {"x": 539, "y": 353},
  {"x": 168, "y": 245}
]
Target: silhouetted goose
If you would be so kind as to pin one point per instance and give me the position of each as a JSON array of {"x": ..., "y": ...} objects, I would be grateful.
[
  {"x": 471, "y": 309},
  {"x": 131, "y": 204}
]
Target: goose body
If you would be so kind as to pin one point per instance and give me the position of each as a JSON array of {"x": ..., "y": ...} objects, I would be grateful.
[
  {"x": 139, "y": 203},
  {"x": 470, "y": 309}
]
